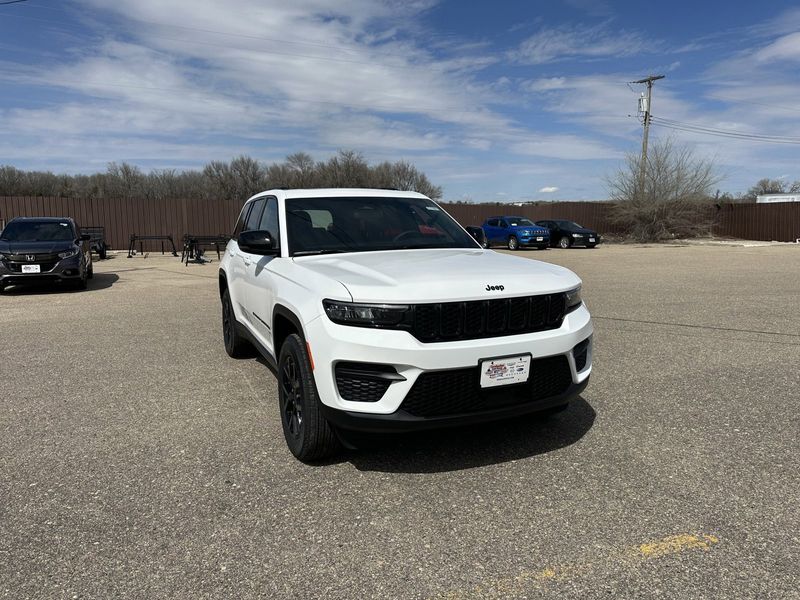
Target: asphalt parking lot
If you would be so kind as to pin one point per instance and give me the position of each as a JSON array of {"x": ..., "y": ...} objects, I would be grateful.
[{"x": 138, "y": 461}]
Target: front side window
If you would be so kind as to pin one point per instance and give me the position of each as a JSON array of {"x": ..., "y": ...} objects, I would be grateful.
[
  {"x": 254, "y": 218},
  {"x": 38, "y": 231},
  {"x": 269, "y": 220},
  {"x": 329, "y": 225}
]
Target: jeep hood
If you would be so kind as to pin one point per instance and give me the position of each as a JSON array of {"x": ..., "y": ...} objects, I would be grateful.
[{"x": 440, "y": 275}]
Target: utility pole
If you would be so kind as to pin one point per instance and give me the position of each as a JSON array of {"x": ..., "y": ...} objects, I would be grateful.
[{"x": 648, "y": 102}]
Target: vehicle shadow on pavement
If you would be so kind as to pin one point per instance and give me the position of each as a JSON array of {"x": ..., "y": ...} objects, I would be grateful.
[
  {"x": 100, "y": 281},
  {"x": 473, "y": 446}
]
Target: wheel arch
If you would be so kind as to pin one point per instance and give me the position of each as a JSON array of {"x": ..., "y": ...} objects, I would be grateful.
[{"x": 284, "y": 323}]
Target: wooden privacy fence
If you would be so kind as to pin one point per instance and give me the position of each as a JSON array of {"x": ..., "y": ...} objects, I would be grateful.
[{"x": 121, "y": 218}]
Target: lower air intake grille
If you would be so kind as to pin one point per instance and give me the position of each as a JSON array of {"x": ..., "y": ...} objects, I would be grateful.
[
  {"x": 581, "y": 353},
  {"x": 458, "y": 391},
  {"x": 362, "y": 382}
]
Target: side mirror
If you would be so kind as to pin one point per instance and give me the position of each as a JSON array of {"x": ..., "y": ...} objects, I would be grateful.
[
  {"x": 85, "y": 237},
  {"x": 257, "y": 242}
]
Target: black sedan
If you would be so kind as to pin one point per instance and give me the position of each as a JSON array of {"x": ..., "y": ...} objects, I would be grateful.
[{"x": 566, "y": 233}]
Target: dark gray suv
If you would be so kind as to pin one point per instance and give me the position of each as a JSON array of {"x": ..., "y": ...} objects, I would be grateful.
[{"x": 44, "y": 249}]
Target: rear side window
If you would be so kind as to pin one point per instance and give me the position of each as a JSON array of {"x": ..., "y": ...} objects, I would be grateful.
[{"x": 502, "y": 224}]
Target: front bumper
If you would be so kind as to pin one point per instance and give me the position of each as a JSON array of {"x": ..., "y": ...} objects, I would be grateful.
[
  {"x": 67, "y": 269},
  {"x": 411, "y": 359},
  {"x": 535, "y": 240},
  {"x": 586, "y": 240}
]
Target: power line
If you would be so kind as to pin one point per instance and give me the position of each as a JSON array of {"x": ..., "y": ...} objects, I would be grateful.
[{"x": 726, "y": 133}]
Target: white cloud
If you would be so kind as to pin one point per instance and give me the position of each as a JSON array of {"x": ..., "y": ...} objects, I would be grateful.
[
  {"x": 580, "y": 41},
  {"x": 548, "y": 190}
]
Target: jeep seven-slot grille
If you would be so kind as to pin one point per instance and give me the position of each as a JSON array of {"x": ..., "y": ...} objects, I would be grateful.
[
  {"x": 449, "y": 321},
  {"x": 458, "y": 391}
]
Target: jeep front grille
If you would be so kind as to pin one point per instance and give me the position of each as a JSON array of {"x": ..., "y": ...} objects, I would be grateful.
[{"x": 452, "y": 321}]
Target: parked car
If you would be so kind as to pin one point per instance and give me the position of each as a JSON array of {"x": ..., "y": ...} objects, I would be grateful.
[
  {"x": 478, "y": 234},
  {"x": 565, "y": 234},
  {"x": 515, "y": 232},
  {"x": 44, "y": 249},
  {"x": 379, "y": 313}
]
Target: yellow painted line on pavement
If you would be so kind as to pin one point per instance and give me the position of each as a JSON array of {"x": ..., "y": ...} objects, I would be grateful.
[
  {"x": 675, "y": 544},
  {"x": 505, "y": 587}
]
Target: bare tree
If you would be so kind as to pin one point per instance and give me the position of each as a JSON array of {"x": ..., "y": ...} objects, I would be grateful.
[{"x": 677, "y": 197}]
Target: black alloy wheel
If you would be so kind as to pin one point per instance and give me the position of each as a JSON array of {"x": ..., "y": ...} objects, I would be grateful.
[
  {"x": 291, "y": 394},
  {"x": 308, "y": 434},
  {"x": 235, "y": 345}
]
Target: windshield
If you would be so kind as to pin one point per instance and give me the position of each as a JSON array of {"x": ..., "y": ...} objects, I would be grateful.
[
  {"x": 327, "y": 225},
  {"x": 569, "y": 225},
  {"x": 516, "y": 222},
  {"x": 38, "y": 231}
]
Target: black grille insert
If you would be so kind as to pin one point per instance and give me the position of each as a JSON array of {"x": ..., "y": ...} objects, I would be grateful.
[
  {"x": 458, "y": 391},
  {"x": 581, "y": 352},
  {"x": 364, "y": 382},
  {"x": 451, "y": 321}
]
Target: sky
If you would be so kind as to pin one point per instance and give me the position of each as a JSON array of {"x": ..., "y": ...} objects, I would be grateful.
[{"x": 511, "y": 100}]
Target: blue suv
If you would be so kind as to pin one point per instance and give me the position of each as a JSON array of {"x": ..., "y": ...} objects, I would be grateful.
[{"x": 514, "y": 232}]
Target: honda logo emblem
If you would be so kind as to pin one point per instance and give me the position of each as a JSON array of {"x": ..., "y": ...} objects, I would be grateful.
[{"x": 30, "y": 257}]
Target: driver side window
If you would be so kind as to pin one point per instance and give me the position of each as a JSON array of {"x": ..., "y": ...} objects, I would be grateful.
[{"x": 269, "y": 221}]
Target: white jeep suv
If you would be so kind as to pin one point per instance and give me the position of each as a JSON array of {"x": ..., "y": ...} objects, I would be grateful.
[{"x": 378, "y": 312}]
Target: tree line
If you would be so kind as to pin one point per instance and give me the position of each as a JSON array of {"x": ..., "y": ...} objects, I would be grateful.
[{"x": 237, "y": 179}]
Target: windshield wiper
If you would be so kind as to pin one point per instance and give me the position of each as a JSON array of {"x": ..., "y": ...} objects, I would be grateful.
[{"x": 316, "y": 252}]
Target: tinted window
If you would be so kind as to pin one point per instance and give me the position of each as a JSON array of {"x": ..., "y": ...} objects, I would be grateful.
[
  {"x": 39, "y": 231},
  {"x": 492, "y": 222},
  {"x": 242, "y": 218},
  {"x": 254, "y": 218},
  {"x": 368, "y": 224},
  {"x": 269, "y": 220},
  {"x": 502, "y": 224}
]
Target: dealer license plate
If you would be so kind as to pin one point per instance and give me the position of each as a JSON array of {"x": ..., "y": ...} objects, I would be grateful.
[
  {"x": 591, "y": 239},
  {"x": 505, "y": 371},
  {"x": 539, "y": 239},
  {"x": 31, "y": 269}
]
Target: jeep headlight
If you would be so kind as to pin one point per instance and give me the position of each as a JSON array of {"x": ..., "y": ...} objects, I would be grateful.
[
  {"x": 365, "y": 315},
  {"x": 573, "y": 298},
  {"x": 67, "y": 254}
]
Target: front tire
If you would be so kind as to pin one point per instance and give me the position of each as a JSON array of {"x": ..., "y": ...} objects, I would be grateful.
[
  {"x": 513, "y": 243},
  {"x": 308, "y": 435},
  {"x": 564, "y": 242},
  {"x": 235, "y": 345}
]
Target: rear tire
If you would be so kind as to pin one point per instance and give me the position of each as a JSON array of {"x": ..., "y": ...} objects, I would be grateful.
[
  {"x": 308, "y": 435},
  {"x": 564, "y": 242},
  {"x": 235, "y": 345},
  {"x": 101, "y": 252},
  {"x": 513, "y": 243}
]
